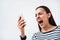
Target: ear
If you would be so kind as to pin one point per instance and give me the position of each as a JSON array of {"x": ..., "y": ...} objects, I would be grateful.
[{"x": 49, "y": 15}]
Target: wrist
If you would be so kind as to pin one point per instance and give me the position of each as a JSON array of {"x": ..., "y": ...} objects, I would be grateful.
[
  {"x": 22, "y": 32},
  {"x": 23, "y": 37}
]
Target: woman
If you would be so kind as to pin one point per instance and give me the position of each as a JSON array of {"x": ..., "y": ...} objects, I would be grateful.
[{"x": 48, "y": 30}]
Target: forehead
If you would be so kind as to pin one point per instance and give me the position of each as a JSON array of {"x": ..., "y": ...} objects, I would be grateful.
[{"x": 39, "y": 10}]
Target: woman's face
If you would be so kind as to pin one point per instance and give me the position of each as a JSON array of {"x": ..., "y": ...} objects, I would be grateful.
[{"x": 42, "y": 17}]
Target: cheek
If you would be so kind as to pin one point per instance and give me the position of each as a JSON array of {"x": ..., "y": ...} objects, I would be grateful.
[{"x": 45, "y": 18}]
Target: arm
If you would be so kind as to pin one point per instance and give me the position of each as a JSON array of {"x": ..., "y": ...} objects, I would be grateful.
[{"x": 21, "y": 25}]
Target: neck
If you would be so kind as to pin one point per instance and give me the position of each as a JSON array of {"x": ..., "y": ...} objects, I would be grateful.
[{"x": 47, "y": 28}]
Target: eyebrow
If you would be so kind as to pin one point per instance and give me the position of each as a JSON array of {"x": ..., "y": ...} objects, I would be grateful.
[{"x": 37, "y": 13}]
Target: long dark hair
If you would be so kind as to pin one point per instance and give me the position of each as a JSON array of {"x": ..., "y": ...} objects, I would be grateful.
[{"x": 51, "y": 19}]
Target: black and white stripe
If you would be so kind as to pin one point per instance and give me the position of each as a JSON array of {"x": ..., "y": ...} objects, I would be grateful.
[{"x": 51, "y": 35}]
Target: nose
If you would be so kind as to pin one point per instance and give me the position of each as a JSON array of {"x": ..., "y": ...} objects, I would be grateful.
[{"x": 38, "y": 17}]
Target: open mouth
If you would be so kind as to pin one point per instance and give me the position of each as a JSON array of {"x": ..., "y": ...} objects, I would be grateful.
[{"x": 40, "y": 22}]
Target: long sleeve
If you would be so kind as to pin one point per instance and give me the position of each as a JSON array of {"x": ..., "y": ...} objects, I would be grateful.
[{"x": 23, "y": 38}]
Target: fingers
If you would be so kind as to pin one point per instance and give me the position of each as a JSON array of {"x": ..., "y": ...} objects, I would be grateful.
[
  {"x": 22, "y": 26},
  {"x": 21, "y": 23},
  {"x": 19, "y": 18}
]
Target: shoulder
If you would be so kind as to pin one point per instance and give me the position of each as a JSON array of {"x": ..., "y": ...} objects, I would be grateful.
[
  {"x": 58, "y": 27},
  {"x": 35, "y": 35}
]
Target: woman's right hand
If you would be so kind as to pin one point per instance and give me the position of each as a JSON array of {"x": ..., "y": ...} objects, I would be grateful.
[{"x": 21, "y": 25}]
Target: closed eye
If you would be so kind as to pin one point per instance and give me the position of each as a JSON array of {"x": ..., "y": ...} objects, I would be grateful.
[{"x": 39, "y": 13}]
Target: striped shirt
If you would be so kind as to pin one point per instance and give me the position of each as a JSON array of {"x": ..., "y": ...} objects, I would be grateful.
[{"x": 51, "y": 35}]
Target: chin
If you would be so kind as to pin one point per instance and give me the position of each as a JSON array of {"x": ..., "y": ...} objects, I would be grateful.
[{"x": 41, "y": 25}]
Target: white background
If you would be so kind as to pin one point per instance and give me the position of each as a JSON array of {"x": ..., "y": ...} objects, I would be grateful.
[{"x": 9, "y": 15}]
